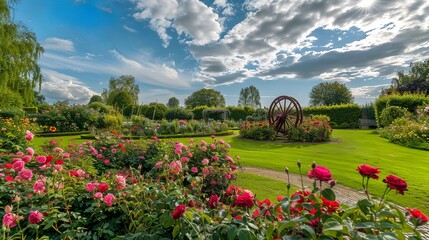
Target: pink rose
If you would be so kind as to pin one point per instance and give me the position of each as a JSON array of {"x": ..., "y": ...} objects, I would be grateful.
[
  {"x": 26, "y": 158},
  {"x": 18, "y": 165},
  {"x": 245, "y": 200},
  {"x": 19, "y": 154},
  {"x": 30, "y": 151},
  {"x": 120, "y": 182},
  {"x": 320, "y": 173},
  {"x": 98, "y": 195},
  {"x": 175, "y": 167},
  {"x": 184, "y": 159},
  {"x": 9, "y": 220},
  {"x": 26, "y": 174},
  {"x": 205, "y": 161},
  {"x": 35, "y": 217},
  {"x": 106, "y": 161},
  {"x": 158, "y": 164},
  {"x": 41, "y": 159},
  {"x": 90, "y": 187},
  {"x": 108, "y": 199},
  {"x": 29, "y": 136},
  {"x": 39, "y": 187},
  {"x": 212, "y": 146},
  {"x": 194, "y": 170}
]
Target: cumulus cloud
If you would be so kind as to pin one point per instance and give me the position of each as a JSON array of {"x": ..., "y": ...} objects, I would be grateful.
[
  {"x": 144, "y": 69},
  {"x": 279, "y": 39},
  {"x": 60, "y": 86},
  {"x": 58, "y": 44},
  {"x": 189, "y": 18}
]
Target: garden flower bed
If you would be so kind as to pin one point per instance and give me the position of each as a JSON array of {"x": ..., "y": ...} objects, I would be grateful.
[{"x": 123, "y": 189}]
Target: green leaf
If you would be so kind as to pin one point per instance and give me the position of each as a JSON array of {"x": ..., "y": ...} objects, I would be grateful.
[
  {"x": 332, "y": 225},
  {"x": 309, "y": 230},
  {"x": 365, "y": 225},
  {"x": 288, "y": 224},
  {"x": 388, "y": 236},
  {"x": 388, "y": 225},
  {"x": 244, "y": 234},
  {"x": 386, "y": 214},
  {"x": 232, "y": 232},
  {"x": 176, "y": 230},
  {"x": 328, "y": 194}
]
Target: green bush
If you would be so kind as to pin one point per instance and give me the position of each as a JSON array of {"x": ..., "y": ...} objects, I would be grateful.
[
  {"x": 159, "y": 109},
  {"x": 344, "y": 113},
  {"x": 389, "y": 114},
  {"x": 11, "y": 113},
  {"x": 344, "y": 126},
  {"x": 100, "y": 107},
  {"x": 10, "y": 99},
  {"x": 240, "y": 113},
  {"x": 316, "y": 129},
  {"x": 198, "y": 112},
  {"x": 179, "y": 113},
  {"x": 407, "y": 132},
  {"x": 113, "y": 121},
  {"x": 30, "y": 110},
  {"x": 408, "y": 101},
  {"x": 257, "y": 130}
]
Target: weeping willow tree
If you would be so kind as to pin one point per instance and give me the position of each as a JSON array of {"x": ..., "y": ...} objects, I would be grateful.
[{"x": 20, "y": 51}]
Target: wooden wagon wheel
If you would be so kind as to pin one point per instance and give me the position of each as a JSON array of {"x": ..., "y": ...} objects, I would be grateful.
[{"x": 284, "y": 113}]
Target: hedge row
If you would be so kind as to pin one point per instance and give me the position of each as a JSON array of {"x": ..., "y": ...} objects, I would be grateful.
[
  {"x": 226, "y": 133},
  {"x": 339, "y": 114},
  {"x": 409, "y": 101}
]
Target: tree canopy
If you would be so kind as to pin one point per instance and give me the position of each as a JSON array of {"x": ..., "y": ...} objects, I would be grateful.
[
  {"x": 205, "y": 97},
  {"x": 125, "y": 84},
  {"x": 173, "y": 102},
  {"x": 330, "y": 93},
  {"x": 249, "y": 96},
  {"x": 95, "y": 98},
  {"x": 20, "y": 52},
  {"x": 415, "y": 81}
]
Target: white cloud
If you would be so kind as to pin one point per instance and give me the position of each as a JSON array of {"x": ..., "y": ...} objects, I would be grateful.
[
  {"x": 60, "y": 86},
  {"x": 190, "y": 18},
  {"x": 58, "y": 44},
  {"x": 132, "y": 30},
  {"x": 271, "y": 37},
  {"x": 145, "y": 69},
  {"x": 105, "y": 9},
  {"x": 368, "y": 92}
]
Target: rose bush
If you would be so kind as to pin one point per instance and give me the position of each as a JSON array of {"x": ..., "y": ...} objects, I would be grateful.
[{"x": 185, "y": 195}]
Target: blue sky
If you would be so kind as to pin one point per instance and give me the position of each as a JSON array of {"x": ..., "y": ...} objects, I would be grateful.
[{"x": 175, "y": 47}]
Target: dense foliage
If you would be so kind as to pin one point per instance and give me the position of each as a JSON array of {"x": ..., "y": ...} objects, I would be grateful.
[
  {"x": 389, "y": 114},
  {"x": 315, "y": 129},
  {"x": 415, "y": 81},
  {"x": 125, "y": 85},
  {"x": 409, "y": 101},
  {"x": 258, "y": 130},
  {"x": 410, "y": 131},
  {"x": 205, "y": 97},
  {"x": 345, "y": 114},
  {"x": 20, "y": 52},
  {"x": 330, "y": 93},
  {"x": 173, "y": 102}
]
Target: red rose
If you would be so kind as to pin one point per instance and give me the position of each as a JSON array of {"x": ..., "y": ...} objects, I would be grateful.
[
  {"x": 320, "y": 173},
  {"x": 418, "y": 216},
  {"x": 103, "y": 187},
  {"x": 393, "y": 182},
  {"x": 368, "y": 171},
  {"x": 232, "y": 190},
  {"x": 179, "y": 211},
  {"x": 331, "y": 206},
  {"x": 214, "y": 200},
  {"x": 244, "y": 200}
]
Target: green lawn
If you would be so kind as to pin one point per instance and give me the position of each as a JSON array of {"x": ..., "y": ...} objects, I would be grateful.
[{"x": 348, "y": 149}]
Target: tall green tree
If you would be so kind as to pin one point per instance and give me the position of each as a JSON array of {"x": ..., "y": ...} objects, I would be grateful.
[
  {"x": 95, "y": 98},
  {"x": 415, "y": 81},
  {"x": 39, "y": 98},
  {"x": 125, "y": 83},
  {"x": 20, "y": 52},
  {"x": 122, "y": 99},
  {"x": 330, "y": 93},
  {"x": 249, "y": 96},
  {"x": 205, "y": 97},
  {"x": 173, "y": 102}
]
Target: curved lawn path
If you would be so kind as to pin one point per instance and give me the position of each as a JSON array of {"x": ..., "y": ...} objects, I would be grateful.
[{"x": 348, "y": 149}]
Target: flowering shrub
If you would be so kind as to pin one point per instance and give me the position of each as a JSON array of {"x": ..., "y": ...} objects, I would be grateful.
[
  {"x": 150, "y": 128},
  {"x": 316, "y": 129},
  {"x": 12, "y": 131},
  {"x": 258, "y": 130},
  {"x": 409, "y": 131},
  {"x": 51, "y": 196}
]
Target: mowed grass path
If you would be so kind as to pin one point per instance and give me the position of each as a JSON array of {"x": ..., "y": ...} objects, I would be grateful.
[{"x": 348, "y": 149}]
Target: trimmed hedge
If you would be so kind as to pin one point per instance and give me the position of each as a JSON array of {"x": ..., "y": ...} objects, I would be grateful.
[
  {"x": 30, "y": 110},
  {"x": 344, "y": 115},
  {"x": 60, "y": 134},
  {"x": 198, "y": 112},
  {"x": 240, "y": 113},
  {"x": 409, "y": 101}
]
